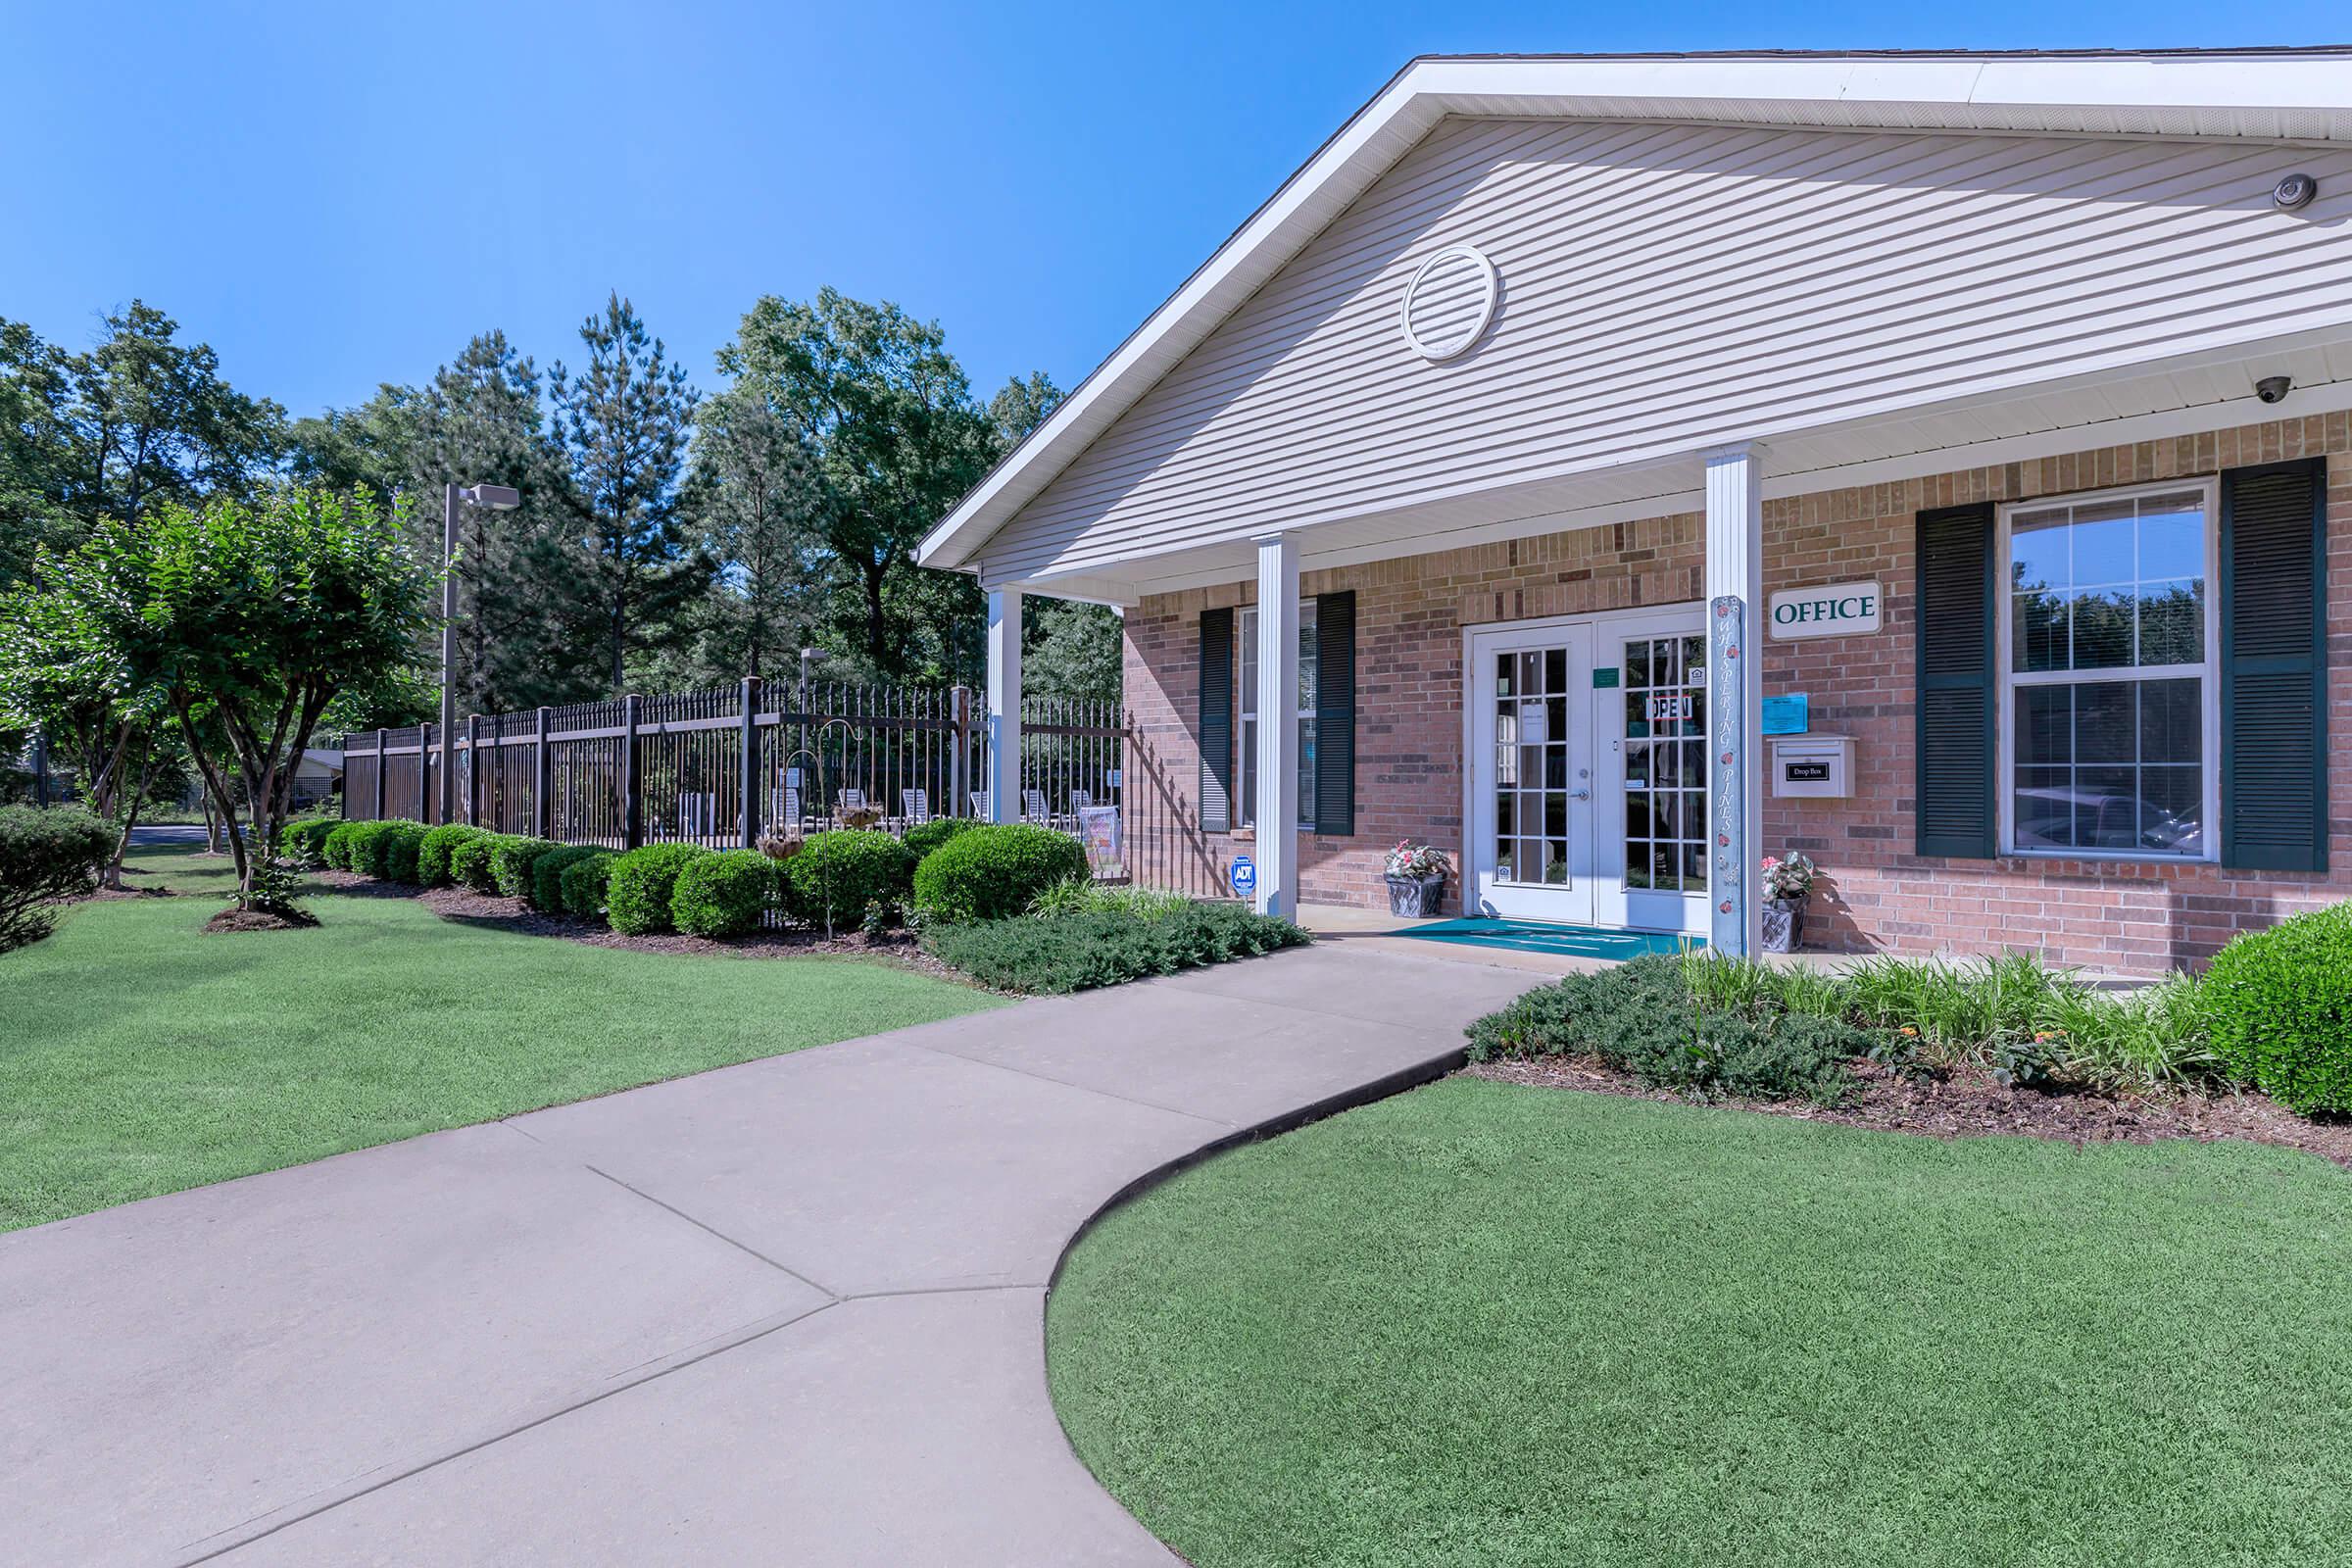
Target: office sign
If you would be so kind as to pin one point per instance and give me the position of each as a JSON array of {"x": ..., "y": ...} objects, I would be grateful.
[{"x": 1834, "y": 610}]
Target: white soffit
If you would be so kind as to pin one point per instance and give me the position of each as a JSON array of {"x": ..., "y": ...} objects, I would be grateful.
[{"x": 2259, "y": 95}]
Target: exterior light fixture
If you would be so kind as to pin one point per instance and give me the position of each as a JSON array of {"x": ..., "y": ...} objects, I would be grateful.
[{"x": 2294, "y": 191}]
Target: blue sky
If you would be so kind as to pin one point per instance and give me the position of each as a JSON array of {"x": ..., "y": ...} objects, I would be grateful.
[{"x": 337, "y": 195}]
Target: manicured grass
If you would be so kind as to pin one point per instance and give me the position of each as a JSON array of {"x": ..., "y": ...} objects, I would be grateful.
[
  {"x": 138, "y": 1056},
  {"x": 1482, "y": 1324}
]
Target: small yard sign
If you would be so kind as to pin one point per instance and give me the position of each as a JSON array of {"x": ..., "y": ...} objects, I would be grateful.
[
  {"x": 1244, "y": 876},
  {"x": 1831, "y": 611}
]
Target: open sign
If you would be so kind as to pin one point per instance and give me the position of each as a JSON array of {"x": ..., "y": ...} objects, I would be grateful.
[{"x": 1669, "y": 707}]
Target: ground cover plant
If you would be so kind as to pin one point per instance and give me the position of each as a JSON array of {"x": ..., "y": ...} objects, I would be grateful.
[
  {"x": 995, "y": 870},
  {"x": 1482, "y": 1325},
  {"x": 1079, "y": 948},
  {"x": 473, "y": 864},
  {"x": 547, "y": 876},
  {"x": 139, "y": 1057},
  {"x": 511, "y": 861}
]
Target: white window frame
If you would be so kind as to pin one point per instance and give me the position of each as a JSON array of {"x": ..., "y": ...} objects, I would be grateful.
[
  {"x": 1244, "y": 718},
  {"x": 2208, "y": 674}
]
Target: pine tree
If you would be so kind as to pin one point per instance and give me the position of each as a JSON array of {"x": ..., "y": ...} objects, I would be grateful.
[
  {"x": 762, "y": 506},
  {"x": 623, "y": 425}
]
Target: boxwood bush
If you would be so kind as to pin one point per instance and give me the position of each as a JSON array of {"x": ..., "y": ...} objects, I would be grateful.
[
  {"x": 440, "y": 842},
  {"x": 470, "y": 865},
  {"x": 924, "y": 837},
  {"x": 511, "y": 861},
  {"x": 547, "y": 875},
  {"x": 1048, "y": 954},
  {"x": 848, "y": 873},
  {"x": 643, "y": 882},
  {"x": 397, "y": 847},
  {"x": 334, "y": 851},
  {"x": 1642, "y": 1019},
  {"x": 991, "y": 872},
  {"x": 723, "y": 894},
  {"x": 304, "y": 842},
  {"x": 2280, "y": 1005},
  {"x": 45, "y": 855},
  {"x": 587, "y": 883},
  {"x": 367, "y": 844}
]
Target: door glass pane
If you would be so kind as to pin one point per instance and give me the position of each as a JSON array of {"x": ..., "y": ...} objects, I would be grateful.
[
  {"x": 1534, "y": 763},
  {"x": 1665, "y": 778}
]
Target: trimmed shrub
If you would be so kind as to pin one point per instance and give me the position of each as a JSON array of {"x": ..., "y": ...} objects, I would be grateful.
[
  {"x": 397, "y": 848},
  {"x": 1642, "y": 1019},
  {"x": 643, "y": 882},
  {"x": 304, "y": 842},
  {"x": 45, "y": 855},
  {"x": 2279, "y": 1003},
  {"x": 587, "y": 883},
  {"x": 924, "y": 837},
  {"x": 1074, "y": 951},
  {"x": 471, "y": 865},
  {"x": 440, "y": 842},
  {"x": 847, "y": 872},
  {"x": 334, "y": 851},
  {"x": 511, "y": 861},
  {"x": 723, "y": 894},
  {"x": 991, "y": 872},
  {"x": 547, "y": 875},
  {"x": 367, "y": 843}
]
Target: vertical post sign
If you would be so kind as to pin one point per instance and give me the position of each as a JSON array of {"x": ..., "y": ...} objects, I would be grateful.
[{"x": 1726, "y": 793}]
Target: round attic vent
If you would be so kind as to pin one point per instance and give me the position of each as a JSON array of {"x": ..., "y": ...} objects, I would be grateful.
[{"x": 1448, "y": 303}]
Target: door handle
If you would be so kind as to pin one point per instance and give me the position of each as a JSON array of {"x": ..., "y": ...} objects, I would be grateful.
[{"x": 1579, "y": 794}]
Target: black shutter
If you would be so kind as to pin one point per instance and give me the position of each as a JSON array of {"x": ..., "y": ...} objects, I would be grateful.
[
  {"x": 1216, "y": 720},
  {"x": 1335, "y": 713},
  {"x": 1956, "y": 685},
  {"x": 2273, "y": 604}
]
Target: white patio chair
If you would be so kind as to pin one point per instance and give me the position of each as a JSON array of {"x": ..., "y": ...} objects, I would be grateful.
[
  {"x": 1033, "y": 807},
  {"x": 914, "y": 805}
]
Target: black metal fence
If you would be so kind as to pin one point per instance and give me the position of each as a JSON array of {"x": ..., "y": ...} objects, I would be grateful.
[{"x": 728, "y": 767}]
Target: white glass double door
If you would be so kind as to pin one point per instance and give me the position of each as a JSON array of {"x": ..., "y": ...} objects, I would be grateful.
[{"x": 1587, "y": 776}]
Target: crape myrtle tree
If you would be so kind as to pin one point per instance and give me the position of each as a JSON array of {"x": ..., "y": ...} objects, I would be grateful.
[{"x": 246, "y": 620}]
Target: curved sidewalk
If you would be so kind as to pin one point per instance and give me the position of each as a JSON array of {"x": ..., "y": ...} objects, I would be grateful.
[{"x": 788, "y": 1311}]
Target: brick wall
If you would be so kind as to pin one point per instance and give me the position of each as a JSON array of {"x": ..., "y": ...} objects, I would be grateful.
[{"x": 1875, "y": 893}]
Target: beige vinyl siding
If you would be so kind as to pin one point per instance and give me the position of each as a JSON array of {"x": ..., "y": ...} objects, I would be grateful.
[{"x": 1665, "y": 286}]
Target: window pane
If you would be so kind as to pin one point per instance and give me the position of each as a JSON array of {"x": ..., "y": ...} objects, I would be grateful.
[
  {"x": 2037, "y": 550},
  {"x": 1555, "y": 669},
  {"x": 2102, "y": 543},
  {"x": 1694, "y": 868},
  {"x": 2172, "y": 537},
  {"x": 2103, "y": 625},
  {"x": 1502, "y": 675},
  {"x": 2172, "y": 622},
  {"x": 1307, "y": 657},
  {"x": 1694, "y": 660},
  {"x": 2172, "y": 720},
  {"x": 2046, "y": 724},
  {"x": 1306, "y": 772},
  {"x": 2106, "y": 728},
  {"x": 2172, "y": 810},
  {"x": 2044, "y": 813},
  {"x": 2037, "y": 635},
  {"x": 1637, "y": 662}
]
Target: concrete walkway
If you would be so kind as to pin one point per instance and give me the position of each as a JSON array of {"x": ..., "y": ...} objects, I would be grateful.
[{"x": 783, "y": 1312}]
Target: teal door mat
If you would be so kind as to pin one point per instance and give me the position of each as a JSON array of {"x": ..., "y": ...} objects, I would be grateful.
[{"x": 1534, "y": 936}]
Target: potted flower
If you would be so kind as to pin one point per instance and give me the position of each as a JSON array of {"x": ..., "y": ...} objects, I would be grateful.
[
  {"x": 1417, "y": 874},
  {"x": 1786, "y": 882}
]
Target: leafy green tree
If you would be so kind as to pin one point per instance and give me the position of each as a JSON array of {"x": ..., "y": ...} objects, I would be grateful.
[
  {"x": 245, "y": 621},
  {"x": 755, "y": 493},
  {"x": 623, "y": 424},
  {"x": 889, "y": 417},
  {"x": 1067, "y": 650}
]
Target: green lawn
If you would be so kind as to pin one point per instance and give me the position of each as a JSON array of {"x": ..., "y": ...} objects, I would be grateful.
[
  {"x": 1482, "y": 1324},
  {"x": 138, "y": 1056}
]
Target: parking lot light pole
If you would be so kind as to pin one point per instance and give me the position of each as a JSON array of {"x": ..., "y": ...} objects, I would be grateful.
[{"x": 495, "y": 498}]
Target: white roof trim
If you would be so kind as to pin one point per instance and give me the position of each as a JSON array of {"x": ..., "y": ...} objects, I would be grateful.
[{"x": 2263, "y": 95}]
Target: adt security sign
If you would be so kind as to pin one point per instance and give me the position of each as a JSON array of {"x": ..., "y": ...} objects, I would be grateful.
[{"x": 1244, "y": 876}]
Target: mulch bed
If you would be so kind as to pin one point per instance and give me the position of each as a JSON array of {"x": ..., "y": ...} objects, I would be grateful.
[
  {"x": 1970, "y": 1105},
  {"x": 512, "y": 914},
  {"x": 234, "y": 920}
]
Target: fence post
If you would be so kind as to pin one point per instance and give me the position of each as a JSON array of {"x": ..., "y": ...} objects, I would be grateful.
[
  {"x": 632, "y": 813},
  {"x": 543, "y": 778},
  {"x": 474, "y": 770},
  {"x": 428, "y": 798},
  {"x": 960, "y": 755},
  {"x": 748, "y": 763},
  {"x": 377, "y": 810}
]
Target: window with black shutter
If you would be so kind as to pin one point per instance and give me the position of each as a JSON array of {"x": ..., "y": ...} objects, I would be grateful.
[
  {"x": 1957, "y": 807},
  {"x": 1216, "y": 720}
]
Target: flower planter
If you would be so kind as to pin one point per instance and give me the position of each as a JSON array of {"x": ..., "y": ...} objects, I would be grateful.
[
  {"x": 1415, "y": 898},
  {"x": 1784, "y": 924}
]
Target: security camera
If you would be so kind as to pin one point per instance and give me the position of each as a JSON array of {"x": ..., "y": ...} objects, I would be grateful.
[{"x": 2273, "y": 388}]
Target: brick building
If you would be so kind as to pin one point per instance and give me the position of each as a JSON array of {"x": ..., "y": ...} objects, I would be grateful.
[{"x": 1937, "y": 464}]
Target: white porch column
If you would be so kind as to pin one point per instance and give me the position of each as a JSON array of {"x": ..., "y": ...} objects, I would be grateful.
[
  {"x": 1277, "y": 802},
  {"x": 1004, "y": 706},
  {"x": 1735, "y": 575}
]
